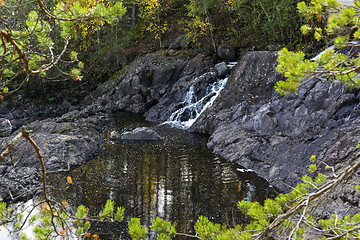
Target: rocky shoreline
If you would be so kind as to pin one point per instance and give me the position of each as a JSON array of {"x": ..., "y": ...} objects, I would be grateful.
[
  {"x": 65, "y": 141},
  {"x": 248, "y": 124}
]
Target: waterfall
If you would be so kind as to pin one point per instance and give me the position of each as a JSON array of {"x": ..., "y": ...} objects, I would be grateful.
[{"x": 192, "y": 107}]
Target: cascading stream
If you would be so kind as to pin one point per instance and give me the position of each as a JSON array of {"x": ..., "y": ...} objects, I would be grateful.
[{"x": 193, "y": 107}]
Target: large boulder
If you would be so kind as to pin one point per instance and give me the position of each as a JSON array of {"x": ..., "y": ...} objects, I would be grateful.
[
  {"x": 227, "y": 53},
  {"x": 141, "y": 134}
]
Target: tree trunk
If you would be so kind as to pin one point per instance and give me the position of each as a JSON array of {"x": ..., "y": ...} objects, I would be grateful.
[{"x": 133, "y": 15}]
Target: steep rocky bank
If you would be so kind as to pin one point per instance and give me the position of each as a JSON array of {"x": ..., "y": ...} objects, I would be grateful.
[
  {"x": 252, "y": 125},
  {"x": 249, "y": 123}
]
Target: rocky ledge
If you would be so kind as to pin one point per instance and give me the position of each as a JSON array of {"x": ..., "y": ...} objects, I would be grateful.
[{"x": 65, "y": 141}]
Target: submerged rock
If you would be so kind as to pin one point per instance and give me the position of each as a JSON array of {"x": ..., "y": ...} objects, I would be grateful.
[{"x": 141, "y": 134}]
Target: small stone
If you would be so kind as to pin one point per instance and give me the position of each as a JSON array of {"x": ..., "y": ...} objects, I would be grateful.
[
  {"x": 221, "y": 69},
  {"x": 273, "y": 48},
  {"x": 114, "y": 135}
]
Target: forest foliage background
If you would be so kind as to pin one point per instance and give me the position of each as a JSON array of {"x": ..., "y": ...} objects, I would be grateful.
[{"x": 117, "y": 31}]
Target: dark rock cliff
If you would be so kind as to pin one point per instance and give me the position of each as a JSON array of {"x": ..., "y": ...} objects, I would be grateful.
[
  {"x": 250, "y": 124},
  {"x": 153, "y": 85}
]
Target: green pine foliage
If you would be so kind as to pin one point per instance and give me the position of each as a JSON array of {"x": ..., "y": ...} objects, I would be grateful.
[
  {"x": 341, "y": 31},
  {"x": 136, "y": 231},
  {"x": 35, "y": 37}
]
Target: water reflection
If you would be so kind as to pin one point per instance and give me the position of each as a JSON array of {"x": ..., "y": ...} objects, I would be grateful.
[{"x": 176, "y": 178}]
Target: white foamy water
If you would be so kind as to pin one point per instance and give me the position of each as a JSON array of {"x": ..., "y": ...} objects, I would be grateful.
[{"x": 185, "y": 117}]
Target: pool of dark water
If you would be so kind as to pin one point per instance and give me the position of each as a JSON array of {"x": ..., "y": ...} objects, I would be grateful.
[{"x": 177, "y": 178}]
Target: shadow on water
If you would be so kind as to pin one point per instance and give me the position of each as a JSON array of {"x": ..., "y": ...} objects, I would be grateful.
[{"x": 176, "y": 178}]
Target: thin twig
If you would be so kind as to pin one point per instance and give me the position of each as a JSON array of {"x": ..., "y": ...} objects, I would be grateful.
[{"x": 43, "y": 172}]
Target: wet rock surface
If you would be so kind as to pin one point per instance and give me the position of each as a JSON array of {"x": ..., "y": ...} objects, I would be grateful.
[
  {"x": 141, "y": 134},
  {"x": 65, "y": 141}
]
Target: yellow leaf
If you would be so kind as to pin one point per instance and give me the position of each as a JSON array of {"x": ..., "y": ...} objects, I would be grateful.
[
  {"x": 45, "y": 207},
  {"x": 69, "y": 180},
  {"x": 64, "y": 203}
]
